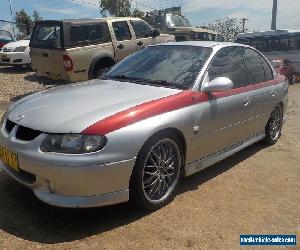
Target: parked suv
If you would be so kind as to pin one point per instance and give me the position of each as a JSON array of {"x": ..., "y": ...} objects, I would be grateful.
[
  {"x": 171, "y": 21},
  {"x": 81, "y": 49}
]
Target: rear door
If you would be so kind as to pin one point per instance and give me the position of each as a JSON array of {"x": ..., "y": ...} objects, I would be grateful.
[
  {"x": 123, "y": 39},
  {"x": 46, "y": 48},
  {"x": 143, "y": 33},
  {"x": 262, "y": 95}
]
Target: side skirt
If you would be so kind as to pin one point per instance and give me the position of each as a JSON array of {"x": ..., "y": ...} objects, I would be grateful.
[{"x": 203, "y": 163}]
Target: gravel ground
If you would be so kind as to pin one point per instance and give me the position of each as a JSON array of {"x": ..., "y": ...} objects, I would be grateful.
[
  {"x": 15, "y": 83},
  {"x": 256, "y": 191}
]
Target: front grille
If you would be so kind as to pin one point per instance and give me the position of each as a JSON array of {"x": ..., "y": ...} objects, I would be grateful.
[
  {"x": 27, "y": 134},
  {"x": 6, "y": 50},
  {"x": 22, "y": 175},
  {"x": 9, "y": 126},
  {"x": 17, "y": 61},
  {"x": 6, "y": 60},
  {"x": 22, "y": 133}
]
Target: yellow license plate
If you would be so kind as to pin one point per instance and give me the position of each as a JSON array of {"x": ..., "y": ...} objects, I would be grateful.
[
  {"x": 4, "y": 57},
  {"x": 9, "y": 159}
]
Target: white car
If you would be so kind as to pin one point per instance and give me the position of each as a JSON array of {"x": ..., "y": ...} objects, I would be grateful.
[{"x": 16, "y": 53}]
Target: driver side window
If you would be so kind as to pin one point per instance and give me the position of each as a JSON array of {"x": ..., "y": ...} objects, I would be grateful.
[
  {"x": 228, "y": 63},
  {"x": 141, "y": 29}
]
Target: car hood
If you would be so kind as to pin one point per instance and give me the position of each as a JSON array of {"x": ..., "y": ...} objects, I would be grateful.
[
  {"x": 72, "y": 108},
  {"x": 14, "y": 45}
]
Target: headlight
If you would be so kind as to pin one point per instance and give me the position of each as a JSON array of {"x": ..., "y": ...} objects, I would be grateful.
[
  {"x": 73, "y": 143},
  {"x": 20, "y": 49}
]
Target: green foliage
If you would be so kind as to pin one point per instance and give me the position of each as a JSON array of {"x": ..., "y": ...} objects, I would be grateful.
[
  {"x": 116, "y": 8},
  {"x": 137, "y": 13},
  {"x": 36, "y": 16},
  {"x": 25, "y": 21},
  {"x": 228, "y": 27}
]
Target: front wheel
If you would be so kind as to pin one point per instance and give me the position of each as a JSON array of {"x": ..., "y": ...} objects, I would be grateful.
[
  {"x": 157, "y": 172},
  {"x": 274, "y": 126}
]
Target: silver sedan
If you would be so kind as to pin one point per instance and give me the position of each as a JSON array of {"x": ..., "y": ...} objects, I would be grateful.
[{"x": 166, "y": 112}]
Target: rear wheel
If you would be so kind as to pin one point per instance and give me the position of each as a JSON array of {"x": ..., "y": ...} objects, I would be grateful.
[
  {"x": 101, "y": 67},
  {"x": 157, "y": 172},
  {"x": 99, "y": 72},
  {"x": 274, "y": 126}
]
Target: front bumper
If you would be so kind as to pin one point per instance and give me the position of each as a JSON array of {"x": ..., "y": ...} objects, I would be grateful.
[
  {"x": 14, "y": 58},
  {"x": 49, "y": 192},
  {"x": 65, "y": 182}
]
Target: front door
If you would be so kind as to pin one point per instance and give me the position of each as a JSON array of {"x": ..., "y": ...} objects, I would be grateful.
[
  {"x": 225, "y": 119},
  {"x": 125, "y": 44}
]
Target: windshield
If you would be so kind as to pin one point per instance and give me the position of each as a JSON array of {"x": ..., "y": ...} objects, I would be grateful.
[
  {"x": 5, "y": 34},
  {"x": 175, "y": 66},
  {"x": 178, "y": 21}
]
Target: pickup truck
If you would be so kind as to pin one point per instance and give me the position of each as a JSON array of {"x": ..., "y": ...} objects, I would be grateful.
[{"x": 82, "y": 49}]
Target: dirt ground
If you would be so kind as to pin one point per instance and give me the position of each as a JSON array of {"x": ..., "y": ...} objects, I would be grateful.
[
  {"x": 256, "y": 191},
  {"x": 16, "y": 83}
]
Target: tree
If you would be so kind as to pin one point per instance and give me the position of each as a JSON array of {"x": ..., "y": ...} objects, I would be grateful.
[
  {"x": 25, "y": 21},
  {"x": 137, "y": 13},
  {"x": 115, "y": 7},
  {"x": 36, "y": 16},
  {"x": 228, "y": 27}
]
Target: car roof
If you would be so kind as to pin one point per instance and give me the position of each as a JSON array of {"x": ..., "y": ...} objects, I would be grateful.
[
  {"x": 88, "y": 20},
  {"x": 208, "y": 44}
]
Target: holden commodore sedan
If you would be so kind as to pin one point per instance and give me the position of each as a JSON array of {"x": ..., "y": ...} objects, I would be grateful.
[{"x": 164, "y": 113}]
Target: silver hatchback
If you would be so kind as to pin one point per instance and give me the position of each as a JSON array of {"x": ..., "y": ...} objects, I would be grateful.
[{"x": 165, "y": 112}]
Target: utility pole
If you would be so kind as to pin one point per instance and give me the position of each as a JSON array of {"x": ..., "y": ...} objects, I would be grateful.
[
  {"x": 274, "y": 15},
  {"x": 12, "y": 19},
  {"x": 244, "y": 22}
]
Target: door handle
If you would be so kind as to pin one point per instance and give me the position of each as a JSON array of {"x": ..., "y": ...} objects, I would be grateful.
[
  {"x": 247, "y": 103},
  {"x": 273, "y": 94},
  {"x": 140, "y": 43},
  {"x": 121, "y": 46},
  {"x": 45, "y": 54}
]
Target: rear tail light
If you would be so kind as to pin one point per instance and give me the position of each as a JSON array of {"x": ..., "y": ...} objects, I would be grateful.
[
  {"x": 1, "y": 44},
  {"x": 68, "y": 64}
]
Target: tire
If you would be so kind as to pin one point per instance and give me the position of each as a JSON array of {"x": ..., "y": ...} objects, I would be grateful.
[
  {"x": 17, "y": 67},
  {"x": 157, "y": 172},
  {"x": 274, "y": 126},
  {"x": 99, "y": 71}
]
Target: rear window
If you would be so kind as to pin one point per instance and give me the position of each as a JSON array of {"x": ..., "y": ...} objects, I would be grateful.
[
  {"x": 89, "y": 34},
  {"x": 47, "y": 36}
]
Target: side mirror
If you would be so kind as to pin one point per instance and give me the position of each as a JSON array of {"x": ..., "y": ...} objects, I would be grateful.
[
  {"x": 217, "y": 85},
  {"x": 155, "y": 33}
]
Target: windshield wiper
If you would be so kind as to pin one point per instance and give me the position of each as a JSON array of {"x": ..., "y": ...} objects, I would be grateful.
[
  {"x": 162, "y": 83},
  {"x": 165, "y": 83},
  {"x": 124, "y": 77}
]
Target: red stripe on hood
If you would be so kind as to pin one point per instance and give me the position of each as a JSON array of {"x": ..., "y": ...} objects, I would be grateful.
[
  {"x": 164, "y": 105},
  {"x": 144, "y": 111}
]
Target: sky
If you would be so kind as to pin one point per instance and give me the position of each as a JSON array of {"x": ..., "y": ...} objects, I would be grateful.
[{"x": 200, "y": 12}]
